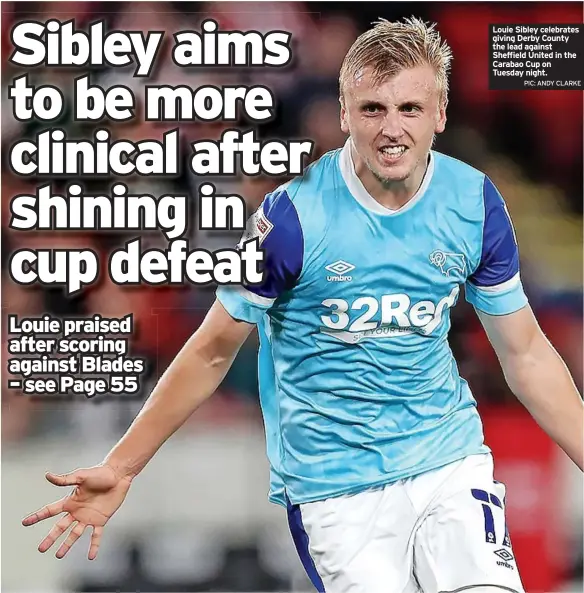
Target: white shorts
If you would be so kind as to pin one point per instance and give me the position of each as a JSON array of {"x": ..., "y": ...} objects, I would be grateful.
[{"x": 441, "y": 531}]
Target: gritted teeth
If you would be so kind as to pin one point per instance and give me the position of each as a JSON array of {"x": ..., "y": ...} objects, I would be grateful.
[{"x": 394, "y": 150}]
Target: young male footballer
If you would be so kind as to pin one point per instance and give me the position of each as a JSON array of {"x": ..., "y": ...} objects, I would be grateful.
[{"x": 374, "y": 440}]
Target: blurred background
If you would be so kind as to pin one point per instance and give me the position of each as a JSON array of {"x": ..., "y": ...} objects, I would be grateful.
[{"x": 198, "y": 519}]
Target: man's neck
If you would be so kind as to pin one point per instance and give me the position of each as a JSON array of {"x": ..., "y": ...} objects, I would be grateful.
[{"x": 392, "y": 195}]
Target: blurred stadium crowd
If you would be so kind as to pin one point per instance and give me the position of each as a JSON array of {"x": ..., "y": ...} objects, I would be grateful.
[{"x": 529, "y": 142}]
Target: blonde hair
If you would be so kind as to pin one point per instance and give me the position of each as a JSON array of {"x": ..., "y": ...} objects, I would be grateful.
[{"x": 390, "y": 47}]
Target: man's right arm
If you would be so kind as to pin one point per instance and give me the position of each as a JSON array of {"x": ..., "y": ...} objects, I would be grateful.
[{"x": 190, "y": 380}]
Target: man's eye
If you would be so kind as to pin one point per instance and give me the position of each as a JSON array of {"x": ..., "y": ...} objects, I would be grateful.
[
  {"x": 410, "y": 108},
  {"x": 371, "y": 108}
]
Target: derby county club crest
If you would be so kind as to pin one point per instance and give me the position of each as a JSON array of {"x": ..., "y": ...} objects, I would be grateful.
[{"x": 448, "y": 262}]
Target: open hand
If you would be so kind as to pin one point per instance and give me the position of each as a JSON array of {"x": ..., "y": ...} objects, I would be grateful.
[{"x": 99, "y": 492}]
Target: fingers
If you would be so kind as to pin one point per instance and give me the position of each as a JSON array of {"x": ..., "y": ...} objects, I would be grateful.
[
  {"x": 50, "y": 510},
  {"x": 95, "y": 541},
  {"x": 72, "y": 479},
  {"x": 61, "y": 526},
  {"x": 74, "y": 535},
  {"x": 58, "y": 529}
]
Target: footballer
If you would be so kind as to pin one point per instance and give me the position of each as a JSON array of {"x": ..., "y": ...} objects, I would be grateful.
[{"x": 375, "y": 444}]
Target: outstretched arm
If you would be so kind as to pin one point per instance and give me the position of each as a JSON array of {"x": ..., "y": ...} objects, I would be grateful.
[
  {"x": 192, "y": 378},
  {"x": 539, "y": 378}
]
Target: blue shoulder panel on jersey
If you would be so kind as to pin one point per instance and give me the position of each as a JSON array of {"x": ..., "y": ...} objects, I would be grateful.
[
  {"x": 495, "y": 286},
  {"x": 499, "y": 257},
  {"x": 276, "y": 223},
  {"x": 283, "y": 247}
]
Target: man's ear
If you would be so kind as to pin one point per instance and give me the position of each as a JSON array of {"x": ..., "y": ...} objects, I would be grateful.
[
  {"x": 344, "y": 122},
  {"x": 441, "y": 119}
]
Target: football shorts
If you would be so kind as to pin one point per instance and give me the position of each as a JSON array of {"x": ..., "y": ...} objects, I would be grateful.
[{"x": 441, "y": 531}]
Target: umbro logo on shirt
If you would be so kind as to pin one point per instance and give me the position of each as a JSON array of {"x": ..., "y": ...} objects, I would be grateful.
[{"x": 340, "y": 268}]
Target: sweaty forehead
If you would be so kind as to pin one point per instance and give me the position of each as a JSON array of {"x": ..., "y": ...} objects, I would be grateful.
[{"x": 411, "y": 84}]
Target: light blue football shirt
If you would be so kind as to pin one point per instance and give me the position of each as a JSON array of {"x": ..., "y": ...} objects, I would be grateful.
[{"x": 358, "y": 385}]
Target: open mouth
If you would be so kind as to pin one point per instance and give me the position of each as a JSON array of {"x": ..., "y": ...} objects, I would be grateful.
[{"x": 392, "y": 154}]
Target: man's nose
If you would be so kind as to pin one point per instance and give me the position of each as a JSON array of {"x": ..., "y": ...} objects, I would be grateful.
[{"x": 392, "y": 125}]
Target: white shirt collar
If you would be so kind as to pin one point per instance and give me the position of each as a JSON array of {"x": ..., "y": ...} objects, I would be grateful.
[{"x": 358, "y": 191}]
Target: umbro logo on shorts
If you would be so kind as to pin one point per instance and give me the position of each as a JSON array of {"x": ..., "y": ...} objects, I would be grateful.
[{"x": 505, "y": 556}]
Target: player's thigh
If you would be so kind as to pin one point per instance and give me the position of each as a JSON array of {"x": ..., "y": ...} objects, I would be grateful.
[
  {"x": 463, "y": 541},
  {"x": 358, "y": 544}
]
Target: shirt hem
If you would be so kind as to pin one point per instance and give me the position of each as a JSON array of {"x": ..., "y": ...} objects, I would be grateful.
[{"x": 382, "y": 481}]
